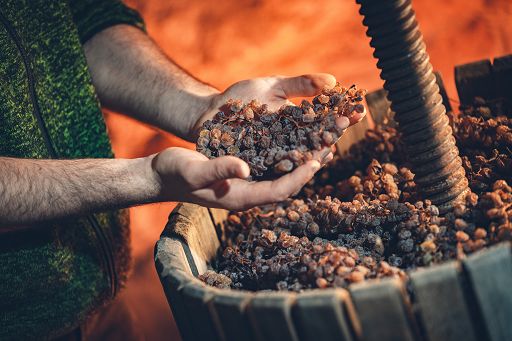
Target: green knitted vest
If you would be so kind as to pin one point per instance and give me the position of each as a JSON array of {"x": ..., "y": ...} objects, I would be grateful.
[{"x": 53, "y": 276}]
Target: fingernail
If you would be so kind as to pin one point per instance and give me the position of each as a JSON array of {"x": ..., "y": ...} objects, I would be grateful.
[
  {"x": 326, "y": 156},
  {"x": 315, "y": 166},
  {"x": 343, "y": 122},
  {"x": 244, "y": 171}
]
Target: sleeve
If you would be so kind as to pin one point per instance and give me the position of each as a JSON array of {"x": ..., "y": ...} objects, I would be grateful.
[{"x": 93, "y": 16}]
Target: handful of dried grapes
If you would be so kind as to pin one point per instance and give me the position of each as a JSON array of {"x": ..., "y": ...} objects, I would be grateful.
[{"x": 274, "y": 143}]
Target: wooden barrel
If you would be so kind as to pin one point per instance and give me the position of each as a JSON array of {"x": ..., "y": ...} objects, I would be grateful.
[
  {"x": 456, "y": 300},
  {"x": 468, "y": 300}
]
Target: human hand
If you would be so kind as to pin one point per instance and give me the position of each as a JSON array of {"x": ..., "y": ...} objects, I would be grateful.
[
  {"x": 276, "y": 92},
  {"x": 185, "y": 175}
]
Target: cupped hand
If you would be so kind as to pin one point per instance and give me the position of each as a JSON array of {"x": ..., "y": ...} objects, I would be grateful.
[
  {"x": 185, "y": 175},
  {"x": 276, "y": 91}
]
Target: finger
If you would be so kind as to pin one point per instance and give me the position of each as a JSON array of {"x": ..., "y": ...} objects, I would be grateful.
[
  {"x": 236, "y": 194},
  {"x": 324, "y": 155},
  {"x": 357, "y": 117},
  {"x": 306, "y": 85},
  {"x": 276, "y": 105},
  {"x": 342, "y": 122},
  {"x": 266, "y": 192},
  {"x": 211, "y": 171},
  {"x": 328, "y": 158}
]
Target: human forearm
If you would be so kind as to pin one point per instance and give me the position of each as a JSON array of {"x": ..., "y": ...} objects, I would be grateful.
[
  {"x": 40, "y": 190},
  {"x": 132, "y": 75},
  {"x": 33, "y": 191}
]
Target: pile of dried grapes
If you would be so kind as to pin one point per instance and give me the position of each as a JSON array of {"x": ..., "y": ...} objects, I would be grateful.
[
  {"x": 273, "y": 143},
  {"x": 360, "y": 217}
]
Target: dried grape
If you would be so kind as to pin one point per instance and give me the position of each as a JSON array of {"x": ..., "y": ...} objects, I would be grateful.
[
  {"x": 361, "y": 216},
  {"x": 281, "y": 140}
]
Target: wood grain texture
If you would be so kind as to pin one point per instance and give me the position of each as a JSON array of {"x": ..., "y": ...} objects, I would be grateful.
[
  {"x": 490, "y": 274},
  {"x": 492, "y": 81},
  {"x": 323, "y": 315},
  {"x": 194, "y": 225},
  {"x": 502, "y": 69},
  {"x": 169, "y": 256},
  {"x": 383, "y": 311},
  {"x": 441, "y": 303},
  {"x": 442, "y": 91},
  {"x": 270, "y": 314},
  {"x": 474, "y": 79},
  {"x": 378, "y": 105},
  {"x": 203, "y": 323},
  {"x": 174, "y": 273},
  {"x": 218, "y": 216},
  {"x": 230, "y": 307},
  {"x": 352, "y": 135}
]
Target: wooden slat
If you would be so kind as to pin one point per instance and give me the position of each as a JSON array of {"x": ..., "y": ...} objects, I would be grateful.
[
  {"x": 378, "y": 105},
  {"x": 442, "y": 91},
  {"x": 169, "y": 255},
  {"x": 380, "y": 108},
  {"x": 172, "y": 288},
  {"x": 197, "y": 296},
  {"x": 270, "y": 315},
  {"x": 440, "y": 300},
  {"x": 502, "y": 70},
  {"x": 490, "y": 274},
  {"x": 325, "y": 315},
  {"x": 219, "y": 216},
  {"x": 383, "y": 311},
  {"x": 193, "y": 223},
  {"x": 352, "y": 135},
  {"x": 230, "y": 307},
  {"x": 174, "y": 273},
  {"x": 474, "y": 79}
]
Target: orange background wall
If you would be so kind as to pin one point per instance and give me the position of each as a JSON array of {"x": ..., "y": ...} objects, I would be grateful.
[{"x": 224, "y": 41}]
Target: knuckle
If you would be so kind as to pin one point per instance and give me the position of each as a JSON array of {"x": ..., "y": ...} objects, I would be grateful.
[{"x": 217, "y": 170}]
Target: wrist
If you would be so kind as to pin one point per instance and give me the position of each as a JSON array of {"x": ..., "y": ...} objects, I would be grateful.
[
  {"x": 210, "y": 108},
  {"x": 183, "y": 112},
  {"x": 205, "y": 110},
  {"x": 147, "y": 180}
]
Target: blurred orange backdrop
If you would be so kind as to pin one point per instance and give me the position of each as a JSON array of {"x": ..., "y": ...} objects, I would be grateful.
[{"x": 224, "y": 41}]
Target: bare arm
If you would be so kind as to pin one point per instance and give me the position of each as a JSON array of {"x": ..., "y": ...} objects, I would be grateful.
[
  {"x": 33, "y": 191},
  {"x": 132, "y": 75},
  {"x": 39, "y": 190}
]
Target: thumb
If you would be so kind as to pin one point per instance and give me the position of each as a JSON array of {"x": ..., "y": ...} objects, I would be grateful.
[
  {"x": 306, "y": 85},
  {"x": 226, "y": 167}
]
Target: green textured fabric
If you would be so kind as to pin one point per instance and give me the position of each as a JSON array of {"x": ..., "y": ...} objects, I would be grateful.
[
  {"x": 52, "y": 278},
  {"x": 89, "y": 16}
]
